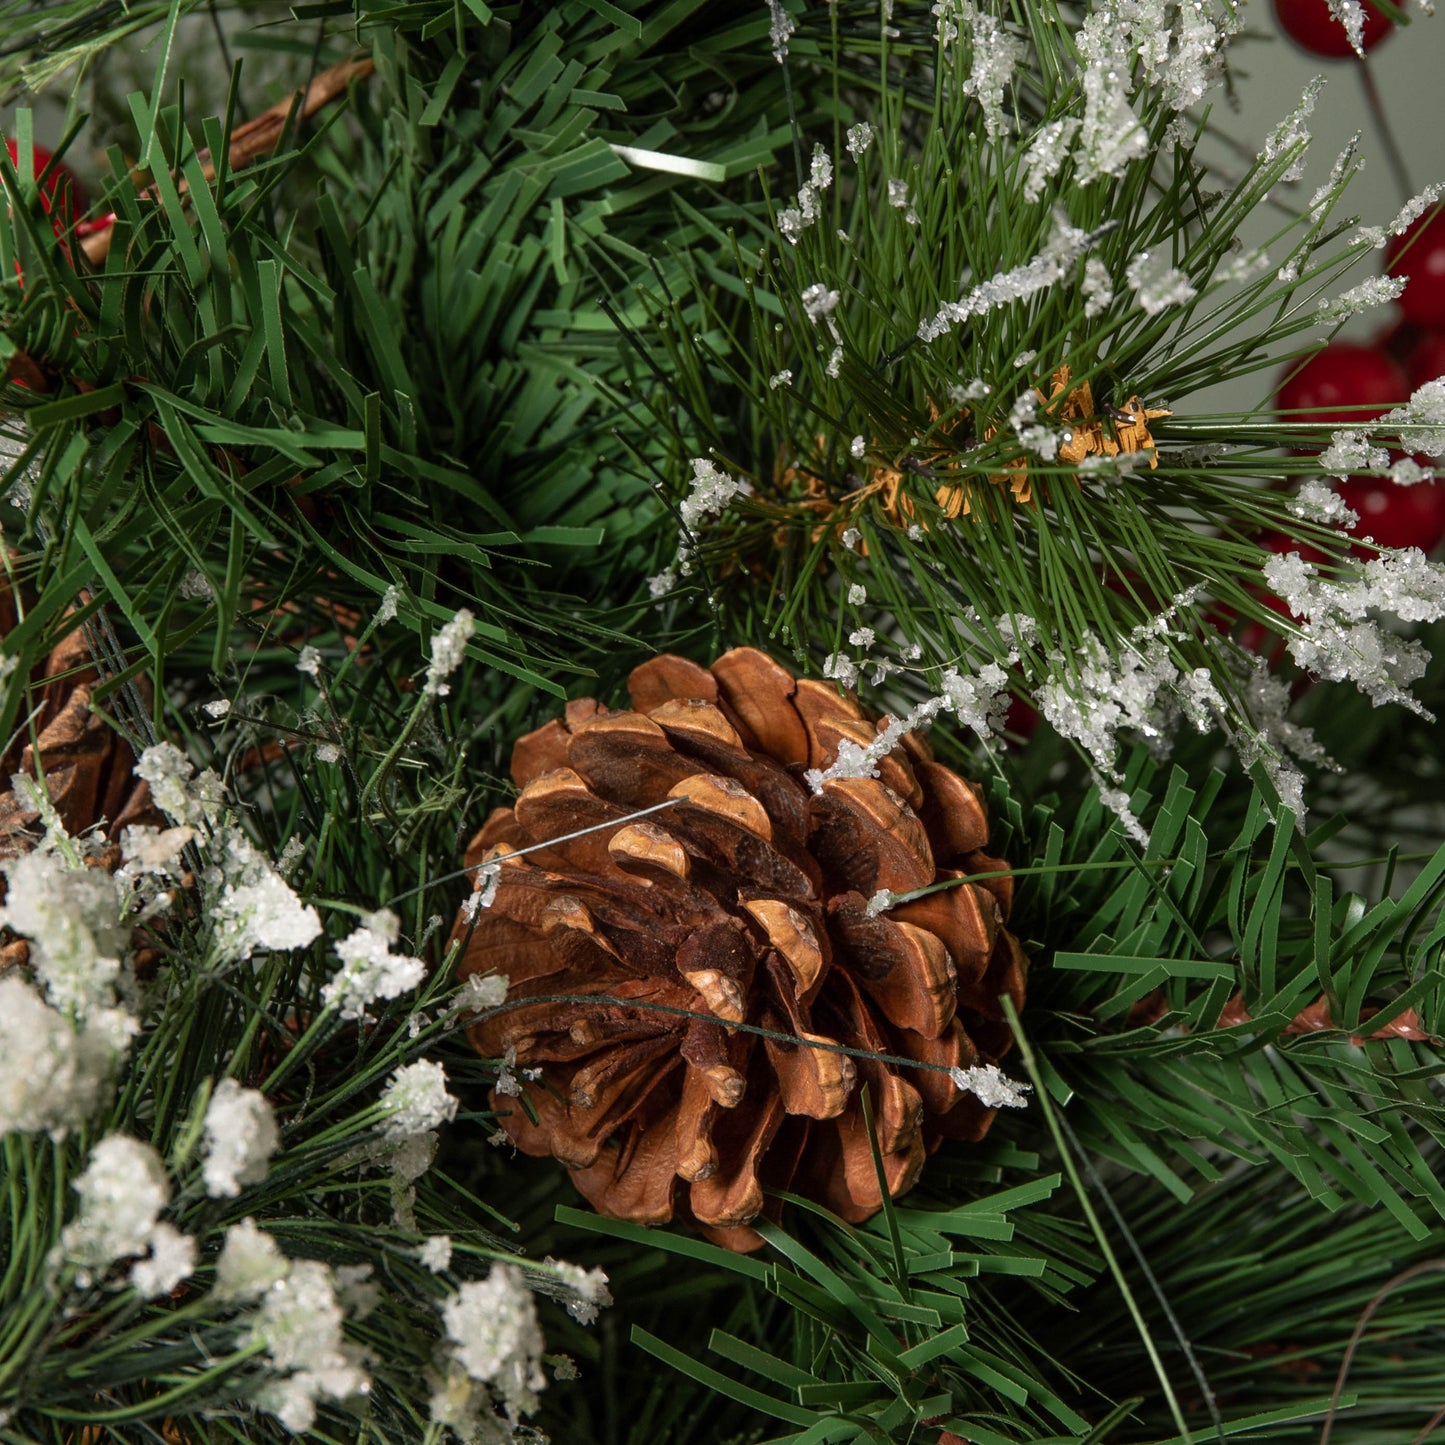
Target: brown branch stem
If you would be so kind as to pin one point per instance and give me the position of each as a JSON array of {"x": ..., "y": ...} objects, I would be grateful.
[{"x": 257, "y": 137}]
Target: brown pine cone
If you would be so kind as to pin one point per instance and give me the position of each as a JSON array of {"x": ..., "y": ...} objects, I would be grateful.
[
  {"x": 746, "y": 903},
  {"x": 87, "y": 764}
]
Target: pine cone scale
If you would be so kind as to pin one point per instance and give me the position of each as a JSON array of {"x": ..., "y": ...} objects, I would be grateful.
[
  {"x": 638, "y": 1182},
  {"x": 814, "y": 1082},
  {"x": 627, "y": 759},
  {"x": 732, "y": 1195},
  {"x": 744, "y": 910},
  {"x": 759, "y": 694},
  {"x": 965, "y": 919},
  {"x": 795, "y": 941},
  {"x": 870, "y": 837}
]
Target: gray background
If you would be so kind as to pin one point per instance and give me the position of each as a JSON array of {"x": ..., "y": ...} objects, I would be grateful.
[{"x": 1408, "y": 68}]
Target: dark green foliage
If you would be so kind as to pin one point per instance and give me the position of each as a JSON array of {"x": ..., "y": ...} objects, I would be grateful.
[
  {"x": 450, "y": 340},
  {"x": 379, "y": 358}
]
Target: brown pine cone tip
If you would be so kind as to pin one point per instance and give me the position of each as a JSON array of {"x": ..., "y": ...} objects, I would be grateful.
[
  {"x": 745, "y": 903},
  {"x": 87, "y": 765}
]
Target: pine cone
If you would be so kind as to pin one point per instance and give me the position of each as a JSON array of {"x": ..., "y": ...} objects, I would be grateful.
[
  {"x": 745, "y": 903},
  {"x": 86, "y": 763}
]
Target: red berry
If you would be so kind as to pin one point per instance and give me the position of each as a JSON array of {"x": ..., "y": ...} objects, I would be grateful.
[
  {"x": 1420, "y": 255},
  {"x": 1396, "y": 338},
  {"x": 1311, "y": 26},
  {"x": 1426, "y": 360},
  {"x": 1023, "y": 718},
  {"x": 61, "y": 193},
  {"x": 1396, "y": 516},
  {"x": 1343, "y": 385},
  {"x": 95, "y": 227}
]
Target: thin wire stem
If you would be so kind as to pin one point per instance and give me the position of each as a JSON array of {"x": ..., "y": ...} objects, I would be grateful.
[
  {"x": 1426, "y": 1266},
  {"x": 1394, "y": 157},
  {"x": 1105, "y": 1248},
  {"x": 1195, "y": 1368},
  {"x": 777, "y": 1036}
]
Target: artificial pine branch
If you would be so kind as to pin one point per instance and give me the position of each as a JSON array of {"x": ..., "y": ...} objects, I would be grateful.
[{"x": 502, "y": 331}]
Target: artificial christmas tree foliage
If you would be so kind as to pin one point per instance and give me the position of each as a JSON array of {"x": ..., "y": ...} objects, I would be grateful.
[
  {"x": 536, "y": 336},
  {"x": 752, "y": 899}
]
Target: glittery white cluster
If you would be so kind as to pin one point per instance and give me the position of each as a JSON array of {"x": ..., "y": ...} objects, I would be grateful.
[
  {"x": 1421, "y": 420},
  {"x": 71, "y": 915},
  {"x": 880, "y": 902},
  {"x": 252, "y": 908},
  {"x": 241, "y": 1137},
  {"x": 583, "y": 1291},
  {"x": 808, "y": 210},
  {"x": 250, "y": 905},
  {"x": 1328, "y": 192},
  {"x": 386, "y": 611},
  {"x": 993, "y": 1089},
  {"x": 780, "y": 30},
  {"x": 1047, "y": 151},
  {"x": 1339, "y": 641},
  {"x": 1156, "y": 284},
  {"x": 250, "y": 1263},
  {"x": 1317, "y": 501},
  {"x": 860, "y": 137},
  {"x": 1098, "y": 287},
  {"x": 369, "y": 969},
  {"x": 1407, "y": 472},
  {"x": 1109, "y": 695},
  {"x": 448, "y": 650},
  {"x": 1066, "y": 244},
  {"x": 495, "y": 1337},
  {"x": 1174, "y": 48},
  {"x": 711, "y": 490},
  {"x": 709, "y": 493},
  {"x": 480, "y": 991},
  {"x": 195, "y": 801},
  {"x": 1377, "y": 291},
  {"x": 1110, "y": 135},
  {"x": 172, "y": 1258},
  {"x": 995, "y": 52},
  {"x": 856, "y": 761},
  {"x": 436, "y": 1253},
  {"x": 147, "y": 850},
  {"x": 1043, "y": 441},
  {"x": 1408, "y": 214},
  {"x": 416, "y": 1099},
  {"x": 1143, "y": 691},
  {"x": 979, "y": 701},
  {"x": 1293, "y": 131},
  {"x": 1275, "y": 740},
  {"x": 122, "y": 1190},
  {"x": 1196, "y": 52},
  {"x": 1350, "y": 452},
  {"x": 300, "y": 1324},
  {"x": 1351, "y": 14},
  {"x": 818, "y": 302},
  {"x": 54, "y": 1071}
]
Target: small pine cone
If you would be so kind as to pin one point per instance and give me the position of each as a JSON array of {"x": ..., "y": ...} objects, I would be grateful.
[
  {"x": 86, "y": 763},
  {"x": 745, "y": 903}
]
